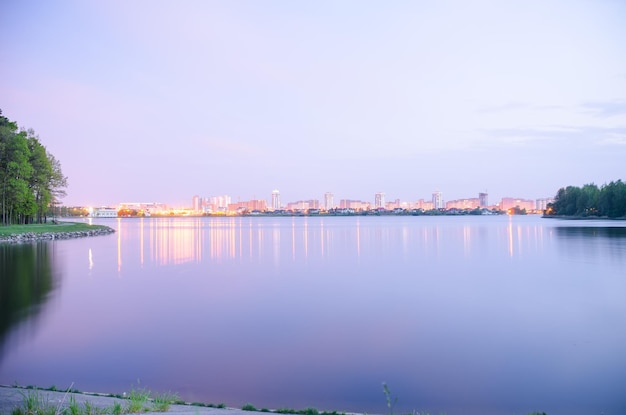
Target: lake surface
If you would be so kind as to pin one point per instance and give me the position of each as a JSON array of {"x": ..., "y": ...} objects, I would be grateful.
[{"x": 458, "y": 315}]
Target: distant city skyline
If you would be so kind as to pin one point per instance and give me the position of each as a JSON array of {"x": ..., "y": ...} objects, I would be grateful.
[
  {"x": 225, "y": 205},
  {"x": 437, "y": 201},
  {"x": 328, "y": 200},
  {"x": 161, "y": 100},
  {"x": 275, "y": 199}
]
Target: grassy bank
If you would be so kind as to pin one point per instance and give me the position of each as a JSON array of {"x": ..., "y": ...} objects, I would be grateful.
[
  {"x": 59, "y": 227},
  {"x": 38, "y": 402}
]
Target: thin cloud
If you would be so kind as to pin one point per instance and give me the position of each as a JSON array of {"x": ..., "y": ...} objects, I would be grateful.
[
  {"x": 581, "y": 136},
  {"x": 518, "y": 105},
  {"x": 606, "y": 108},
  {"x": 615, "y": 139},
  {"x": 509, "y": 106}
]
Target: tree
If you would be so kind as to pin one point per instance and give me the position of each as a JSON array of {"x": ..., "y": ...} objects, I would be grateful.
[
  {"x": 31, "y": 179},
  {"x": 612, "y": 200},
  {"x": 57, "y": 182},
  {"x": 18, "y": 201},
  {"x": 42, "y": 170},
  {"x": 8, "y": 130},
  {"x": 606, "y": 201},
  {"x": 588, "y": 200}
]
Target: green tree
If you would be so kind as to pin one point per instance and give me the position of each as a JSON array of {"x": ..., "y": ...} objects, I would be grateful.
[
  {"x": 8, "y": 130},
  {"x": 57, "y": 181},
  {"x": 31, "y": 179},
  {"x": 588, "y": 200},
  {"x": 606, "y": 201},
  {"x": 18, "y": 201},
  {"x": 612, "y": 200},
  {"x": 39, "y": 180},
  {"x": 565, "y": 201}
]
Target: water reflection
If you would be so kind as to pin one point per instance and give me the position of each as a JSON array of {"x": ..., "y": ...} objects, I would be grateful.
[
  {"x": 521, "y": 237},
  {"x": 119, "y": 244},
  {"x": 585, "y": 242},
  {"x": 591, "y": 231},
  {"x": 173, "y": 241},
  {"x": 222, "y": 240},
  {"x": 26, "y": 281},
  {"x": 176, "y": 241}
]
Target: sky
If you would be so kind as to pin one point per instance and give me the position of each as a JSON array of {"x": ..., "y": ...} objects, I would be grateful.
[{"x": 157, "y": 101}]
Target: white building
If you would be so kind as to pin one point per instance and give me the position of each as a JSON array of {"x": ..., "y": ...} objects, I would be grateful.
[
  {"x": 104, "y": 213},
  {"x": 329, "y": 201},
  {"x": 483, "y": 199},
  {"x": 438, "y": 200},
  {"x": 542, "y": 204},
  {"x": 275, "y": 200},
  {"x": 379, "y": 200},
  {"x": 220, "y": 202}
]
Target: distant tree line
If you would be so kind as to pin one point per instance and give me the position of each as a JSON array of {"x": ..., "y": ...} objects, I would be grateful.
[
  {"x": 608, "y": 200},
  {"x": 31, "y": 180}
]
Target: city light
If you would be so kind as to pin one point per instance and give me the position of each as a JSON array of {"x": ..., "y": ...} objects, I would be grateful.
[{"x": 222, "y": 206}]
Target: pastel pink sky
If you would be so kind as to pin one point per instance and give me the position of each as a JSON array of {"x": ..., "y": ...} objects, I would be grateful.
[{"x": 159, "y": 101}]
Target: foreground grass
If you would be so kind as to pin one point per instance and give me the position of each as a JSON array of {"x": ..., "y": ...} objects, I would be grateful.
[
  {"x": 35, "y": 402},
  {"x": 48, "y": 228}
]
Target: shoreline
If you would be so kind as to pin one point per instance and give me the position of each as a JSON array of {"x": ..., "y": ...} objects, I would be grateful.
[
  {"x": 13, "y": 398},
  {"x": 566, "y": 217},
  {"x": 47, "y": 232}
]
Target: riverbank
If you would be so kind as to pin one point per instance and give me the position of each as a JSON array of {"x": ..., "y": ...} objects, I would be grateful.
[
  {"x": 14, "y": 399},
  {"x": 50, "y": 231},
  {"x": 32, "y": 401},
  {"x": 566, "y": 217}
]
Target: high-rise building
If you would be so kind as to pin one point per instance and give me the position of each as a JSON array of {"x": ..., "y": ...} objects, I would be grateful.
[
  {"x": 542, "y": 204},
  {"x": 220, "y": 201},
  {"x": 275, "y": 200},
  {"x": 463, "y": 204},
  {"x": 248, "y": 205},
  {"x": 329, "y": 201},
  {"x": 483, "y": 199},
  {"x": 379, "y": 200},
  {"x": 438, "y": 200},
  {"x": 511, "y": 202},
  {"x": 303, "y": 205},
  {"x": 195, "y": 203},
  {"x": 396, "y": 204},
  {"x": 354, "y": 204}
]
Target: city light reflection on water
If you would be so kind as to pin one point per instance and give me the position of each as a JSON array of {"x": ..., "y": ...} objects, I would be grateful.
[
  {"x": 175, "y": 241},
  {"x": 180, "y": 240}
]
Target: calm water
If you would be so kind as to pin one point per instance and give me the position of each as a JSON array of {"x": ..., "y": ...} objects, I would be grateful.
[{"x": 462, "y": 315}]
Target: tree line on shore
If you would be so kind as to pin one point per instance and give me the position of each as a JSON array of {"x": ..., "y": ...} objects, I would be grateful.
[
  {"x": 31, "y": 180},
  {"x": 608, "y": 201}
]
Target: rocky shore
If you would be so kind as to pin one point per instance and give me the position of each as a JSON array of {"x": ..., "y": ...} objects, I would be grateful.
[{"x": 48, "y": 236}]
